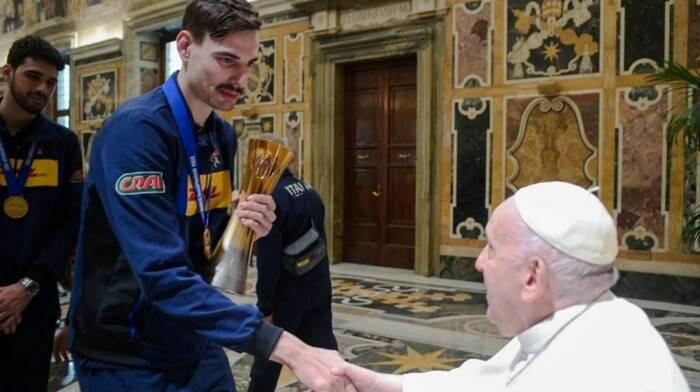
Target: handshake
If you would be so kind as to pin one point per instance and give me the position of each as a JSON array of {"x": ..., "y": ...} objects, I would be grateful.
[{"x": 324, "y": 370}]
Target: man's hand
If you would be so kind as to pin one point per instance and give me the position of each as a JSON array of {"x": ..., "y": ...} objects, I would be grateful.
[
  {"x": 364, "y": 380},
  {"x": 257, "y": 212},
  {"x": 13, "y": 300},
  {"x": 60, "y": 345},
  {"x": 9, "y": 325},
  {"x": 311, "y": 365}
]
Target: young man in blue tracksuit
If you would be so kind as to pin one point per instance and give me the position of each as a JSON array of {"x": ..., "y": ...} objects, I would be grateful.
[
  {"x": 142, "y": 316},
  {"x": 297, "y": 300},
  {"x": 41, "y": 178}
]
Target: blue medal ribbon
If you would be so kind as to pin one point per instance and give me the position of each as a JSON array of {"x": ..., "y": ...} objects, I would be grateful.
[
  {"x": 15, "y": 184},
  {"x": 184, "y": 121}
]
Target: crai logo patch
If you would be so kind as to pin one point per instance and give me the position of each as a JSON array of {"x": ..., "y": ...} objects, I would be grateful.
[{"x": 140, "y": 183}]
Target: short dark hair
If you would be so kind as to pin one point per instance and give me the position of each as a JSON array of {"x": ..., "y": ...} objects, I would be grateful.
[
  {"x": 218, "y": 18},
  {"x": 36, "y": 48}
]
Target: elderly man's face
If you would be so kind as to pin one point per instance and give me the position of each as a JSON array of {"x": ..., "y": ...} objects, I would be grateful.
[{"x": 504, "y": 281}]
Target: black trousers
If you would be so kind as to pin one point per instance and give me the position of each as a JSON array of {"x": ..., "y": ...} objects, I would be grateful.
[
  {"x": 25, "y": 356},
  {"x": 298, "y": 315}
]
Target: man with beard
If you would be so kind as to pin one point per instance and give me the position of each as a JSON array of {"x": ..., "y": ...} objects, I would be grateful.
[
  {"x": 143, "y": 318},
  {"x": 40, "y": 186}
]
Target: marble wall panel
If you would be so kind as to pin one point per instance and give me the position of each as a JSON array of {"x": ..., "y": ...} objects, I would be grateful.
[
  {"x": 551, "y": 38},
  {"x": 471, "y": 131},
  {"x": 459, "y": 268},
  {"x": 656, "y": 287},
  {"x": 642, "y": 217},
  {"x": 293, "y": 68},
  {"x": 552, "y": 138},
  {"x": 294, "y": 136},
  {"x": 644, "y": 31},
  {"x": 261, "y": 84},
  {"x": 472, "y": 43},
  {"x": 692, "y": 171},
  {"x": 694, "y": 34}
]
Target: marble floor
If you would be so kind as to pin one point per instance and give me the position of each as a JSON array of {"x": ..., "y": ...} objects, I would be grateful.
[{"x": 394, "y": 321}]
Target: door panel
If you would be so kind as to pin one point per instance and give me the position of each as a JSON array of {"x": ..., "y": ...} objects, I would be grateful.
[
  {"x": 401, "y": 210},
  {"x": 362, "y": 207},
  {"x": 403, "y": 105},
  {"x": 364, "y": 130},
  {"x": 380, "y": 149}
]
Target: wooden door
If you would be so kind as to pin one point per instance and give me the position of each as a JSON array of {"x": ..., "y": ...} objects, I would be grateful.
[{"x": 380, "y": 165}]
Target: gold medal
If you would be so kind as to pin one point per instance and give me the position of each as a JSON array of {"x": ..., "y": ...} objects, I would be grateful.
[
  {"x": 16, "y": 207},
  {"x": 207, "y": 243}
]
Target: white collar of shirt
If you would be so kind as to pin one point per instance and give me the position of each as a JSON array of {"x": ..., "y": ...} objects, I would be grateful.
[{"x": 535, "y": 338}]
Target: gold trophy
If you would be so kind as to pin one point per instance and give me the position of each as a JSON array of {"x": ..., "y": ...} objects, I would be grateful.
[{"x": 266, "y": 162}]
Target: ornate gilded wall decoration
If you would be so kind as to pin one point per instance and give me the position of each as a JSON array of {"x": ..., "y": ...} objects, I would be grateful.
[
  {"x": 98, "y": 95},
  {"x": 552, "y": 138},
  {"x": 694, "y": 34},
  {"x": 293, "y": 68},
  {"x": 472, "y": 43},
  {"x": 49, "y": 9},
  {"x": 294, "y": 136},
  {"x": 471, "y": 157},
  {"x": 149, "y": 51},
  {"x": 238, "y": 125},
  {"x": 641, "y": 211},
  {"x": 261, "y": 84},
  {"x": 548, "y": 38},
  {"x": 267, "y": 123},
  {"x": 149, "y": 79},
  {"x": 644, "y": 32},
  {"x": 12, "y": 15}
]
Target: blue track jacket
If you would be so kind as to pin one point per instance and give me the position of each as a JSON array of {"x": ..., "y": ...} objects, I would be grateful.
[
  {"x": 38, "y": 245},
  {"x": 139, "y": 298}
]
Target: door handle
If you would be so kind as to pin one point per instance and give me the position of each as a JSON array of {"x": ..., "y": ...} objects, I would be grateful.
[
  {"x": 375, "y": 193},
  {"x": 404, "y": 156},
  {"x": 362, "y": 156}
]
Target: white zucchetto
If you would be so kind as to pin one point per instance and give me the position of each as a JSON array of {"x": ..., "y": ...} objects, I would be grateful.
[{"x": 569, "y": 218}]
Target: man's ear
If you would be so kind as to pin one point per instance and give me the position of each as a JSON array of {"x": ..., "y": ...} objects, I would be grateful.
[
  {"x": 184, "y": 42},
  {"x": 536, "y": 278},
  {"x": 7, "y": 71}
]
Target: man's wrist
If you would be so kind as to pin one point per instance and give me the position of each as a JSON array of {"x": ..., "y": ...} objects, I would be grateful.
[
  {"x": 31, "y": 287},
  {"x": 287, "y": 350}
]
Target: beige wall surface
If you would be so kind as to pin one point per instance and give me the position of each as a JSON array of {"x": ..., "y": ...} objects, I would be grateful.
[{"x": 518, "y": 91}]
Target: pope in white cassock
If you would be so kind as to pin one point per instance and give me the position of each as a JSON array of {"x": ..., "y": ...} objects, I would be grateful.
[{"x": 548, "y": 268}]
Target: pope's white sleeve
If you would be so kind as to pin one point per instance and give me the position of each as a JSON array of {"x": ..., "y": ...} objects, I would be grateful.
[{"x": 469, "y": 374}]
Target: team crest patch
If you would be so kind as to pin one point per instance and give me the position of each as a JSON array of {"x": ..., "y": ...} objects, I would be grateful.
[
  {"x": 140, "y": 183},
  {"x": 77, "y": 176}
]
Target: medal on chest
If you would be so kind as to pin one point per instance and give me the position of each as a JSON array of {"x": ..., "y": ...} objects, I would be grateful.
[{"x": 15, "y": 207}]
